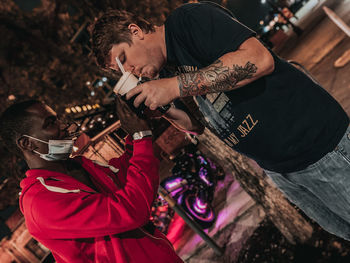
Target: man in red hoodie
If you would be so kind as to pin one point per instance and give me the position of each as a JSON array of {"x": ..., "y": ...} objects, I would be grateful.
[{"x": 80, "y": 210}]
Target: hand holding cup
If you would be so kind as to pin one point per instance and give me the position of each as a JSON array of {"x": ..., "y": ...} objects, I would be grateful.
[{"x": 130, "y": 122}]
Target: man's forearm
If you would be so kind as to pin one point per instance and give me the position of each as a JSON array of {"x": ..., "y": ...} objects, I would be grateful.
[
  {"x": 232, "y": 70},
  {"x": 214, "y": 78}
]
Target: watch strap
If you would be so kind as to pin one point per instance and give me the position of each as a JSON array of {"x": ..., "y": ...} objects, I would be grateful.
[{"x": 141, "y": 134}]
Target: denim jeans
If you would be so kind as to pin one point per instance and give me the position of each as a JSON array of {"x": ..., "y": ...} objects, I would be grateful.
[{"x": 322, "y": 190}]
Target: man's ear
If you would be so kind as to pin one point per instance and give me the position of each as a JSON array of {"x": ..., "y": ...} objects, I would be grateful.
[
  {"x": 136, "y": 31},
  {"x": 25, "y": 144}
]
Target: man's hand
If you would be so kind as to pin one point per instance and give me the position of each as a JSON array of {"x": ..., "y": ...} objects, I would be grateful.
[
  {"x": 155, "y": 93},
  {"x": 129, "y": 120}
]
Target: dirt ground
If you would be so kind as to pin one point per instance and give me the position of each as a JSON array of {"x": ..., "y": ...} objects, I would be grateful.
[{"x": 268, "y": 245}]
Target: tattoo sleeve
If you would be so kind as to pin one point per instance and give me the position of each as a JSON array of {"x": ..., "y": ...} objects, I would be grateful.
[{"x": 214, "y": 78}]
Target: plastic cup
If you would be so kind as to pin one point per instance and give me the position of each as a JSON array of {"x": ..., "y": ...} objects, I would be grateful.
[{"x": 126, "y": 83}]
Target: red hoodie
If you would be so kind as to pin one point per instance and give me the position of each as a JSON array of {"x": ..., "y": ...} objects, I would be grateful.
[{"x": 79, "y": 224}]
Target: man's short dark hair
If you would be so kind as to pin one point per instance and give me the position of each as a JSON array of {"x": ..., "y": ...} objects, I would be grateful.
[
  {"x": 14, "y": 122},
  {"x": 112, "y": 29}
]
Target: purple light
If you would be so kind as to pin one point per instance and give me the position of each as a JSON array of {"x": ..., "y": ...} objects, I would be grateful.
[
  {"x": 212, "y": 165},
  {"x": 173, "y": 193},
  {"x": 176, "y": 184},
  {"x": 199, "y": 206},
  {"x": 179, "y": 201},
  {"x": 202, "y": 214},
  {"x": 202, "y": 174},
  {"x": 173, "y": 183},
  {"x": 201, "y": 211},
  {"x": 202, "y": 160}
]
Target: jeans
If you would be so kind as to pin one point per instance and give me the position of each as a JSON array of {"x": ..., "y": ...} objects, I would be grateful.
[{"x": 322, "y": 190}]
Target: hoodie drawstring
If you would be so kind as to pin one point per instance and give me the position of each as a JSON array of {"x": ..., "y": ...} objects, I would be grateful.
[
  {"x": 55, "y": 188},
  {"x": 111, "y": 167}
]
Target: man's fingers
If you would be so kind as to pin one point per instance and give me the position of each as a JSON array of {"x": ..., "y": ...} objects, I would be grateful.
[
  {"x": 133, "y": 92},
  {"x": 153, "y": 106},
  {"x": 148, "y": 102},
  {"x": 122, "y": 109},
  {"x": 139, "y": 99},
  {"x": 120, "y": 103}
]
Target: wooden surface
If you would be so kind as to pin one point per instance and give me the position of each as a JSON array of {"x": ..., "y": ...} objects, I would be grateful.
[{"x": 318, "y": 49}]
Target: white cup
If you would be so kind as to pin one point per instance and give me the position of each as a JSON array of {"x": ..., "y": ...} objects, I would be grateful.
[{"x": 126, "y": 83}]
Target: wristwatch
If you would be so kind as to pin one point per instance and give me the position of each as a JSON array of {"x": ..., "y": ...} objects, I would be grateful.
[{"x": 141, "y": 134}]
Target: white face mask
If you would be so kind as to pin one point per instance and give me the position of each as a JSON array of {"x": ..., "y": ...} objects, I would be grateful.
[{"x": 58, "y": 149}]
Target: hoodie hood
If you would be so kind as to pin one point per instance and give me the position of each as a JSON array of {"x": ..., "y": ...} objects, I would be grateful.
[{"x": 41, "y": 177}]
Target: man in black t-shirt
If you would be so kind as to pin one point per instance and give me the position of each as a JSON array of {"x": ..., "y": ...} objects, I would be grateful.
[{"x": 257, "y": 103}]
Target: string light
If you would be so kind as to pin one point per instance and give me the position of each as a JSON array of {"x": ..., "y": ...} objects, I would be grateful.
[{"x": 11, "y": 97}]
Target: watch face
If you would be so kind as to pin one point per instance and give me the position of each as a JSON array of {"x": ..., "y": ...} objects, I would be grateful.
[{"x": 139, "y": 135}]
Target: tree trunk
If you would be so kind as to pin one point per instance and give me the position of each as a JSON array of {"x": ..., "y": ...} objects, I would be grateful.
[{"x": 284, "y": 216}]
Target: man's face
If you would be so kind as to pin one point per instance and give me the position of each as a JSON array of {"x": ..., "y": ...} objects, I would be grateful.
[
  {"x": 45, "y": 125},
  {"x": 139, "y": 58}
]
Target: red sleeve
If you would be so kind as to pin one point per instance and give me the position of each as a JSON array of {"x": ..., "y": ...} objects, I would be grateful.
[
  {"x": 83, "y": 215},
  {"x": 124, "y": 158}
]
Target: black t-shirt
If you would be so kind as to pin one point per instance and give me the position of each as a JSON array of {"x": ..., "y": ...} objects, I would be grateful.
[{"x": 284, "y": 121}]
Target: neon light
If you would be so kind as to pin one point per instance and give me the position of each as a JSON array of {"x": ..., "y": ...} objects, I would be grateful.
[
  {"x": 202, "y": 174},
  {"x": 173, "y": 183}
]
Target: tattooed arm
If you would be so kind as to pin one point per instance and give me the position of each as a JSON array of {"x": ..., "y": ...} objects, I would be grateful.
[{"x": 233, "y": 70}]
